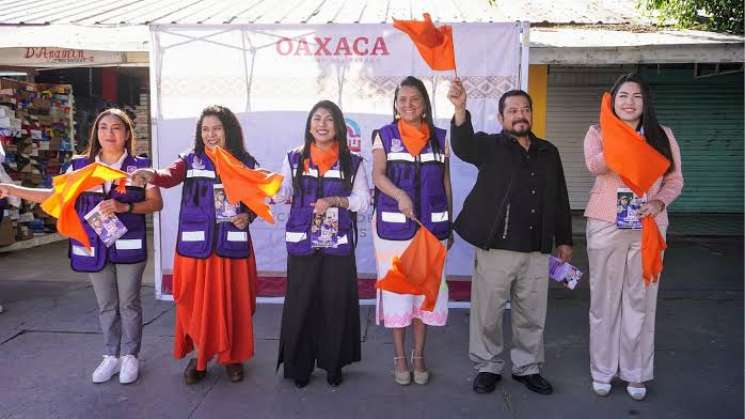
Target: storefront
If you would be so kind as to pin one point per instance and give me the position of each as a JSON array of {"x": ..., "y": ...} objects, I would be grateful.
[{"x": 49, "y": 98}]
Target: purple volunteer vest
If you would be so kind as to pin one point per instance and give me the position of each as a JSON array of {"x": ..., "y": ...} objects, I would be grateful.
[
  {"x": 199, "y": 233},
  {"x": 132, "y": 246},
  {"x": 297, "y": 229},
  {"x": 422, "y": 178}
]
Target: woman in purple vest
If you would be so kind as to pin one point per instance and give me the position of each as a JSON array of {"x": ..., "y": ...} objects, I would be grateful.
[
  {"x": 115, "y": 271},
  {"x": 214, "y": 270},
  {"x": 328, "y": 186},
  {"x": 412, "y": 180}
]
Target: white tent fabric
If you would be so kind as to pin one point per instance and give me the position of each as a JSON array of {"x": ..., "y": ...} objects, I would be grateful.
[{"x": 271, "y": 75}]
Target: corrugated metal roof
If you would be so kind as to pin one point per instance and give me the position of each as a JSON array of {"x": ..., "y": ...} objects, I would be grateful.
[
  {"x": 144, "y": 12},
  {"x": 562, "y": 31}
]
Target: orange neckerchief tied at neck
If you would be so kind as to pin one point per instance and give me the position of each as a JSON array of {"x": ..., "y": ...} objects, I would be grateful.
[
  {"x": 414, "y": 138},
  {"x": 324, "y": 159},
  {"x": 639, "y": 165}
]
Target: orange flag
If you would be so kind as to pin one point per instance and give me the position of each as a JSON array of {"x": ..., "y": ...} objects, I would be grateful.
[
  {"x": 67, "y": 188},
  {"x": 419, "y": 269},
  {"x": 653, "y": 244},
  {"x": 639, "y": 165},
  {"x": 622, "y": 142},
  {"x": 243, "y": 184},
  {"x": 435, "y": 44}
]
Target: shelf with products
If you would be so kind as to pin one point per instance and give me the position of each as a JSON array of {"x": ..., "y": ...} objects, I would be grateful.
[{"x": 37, "y": 133}]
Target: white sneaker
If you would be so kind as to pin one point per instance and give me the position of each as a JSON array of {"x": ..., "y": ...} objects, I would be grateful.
[
  {"x": 130, "y": 369},
  {"x": 637, "y": 393},
  {"x": 106, "y": 369},
  {"x": 601, "y": 389},
  {"x": 1, "y": 308}
]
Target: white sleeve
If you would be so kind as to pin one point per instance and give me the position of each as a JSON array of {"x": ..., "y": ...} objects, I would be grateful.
[
  {"x": 377, "y": 142},
  {"x": 285, "y": 191},
  {"x": 359, "y": 199}
]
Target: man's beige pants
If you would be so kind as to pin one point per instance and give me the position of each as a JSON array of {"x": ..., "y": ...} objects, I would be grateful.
[
  {"x": 622, "y": 309},
  {"x": 521, "y": 277}
]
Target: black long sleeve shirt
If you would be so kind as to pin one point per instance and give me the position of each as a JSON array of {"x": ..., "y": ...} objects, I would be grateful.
[
  {"x": 521, "y": 228},
  {"x": 507, "y": 176}
]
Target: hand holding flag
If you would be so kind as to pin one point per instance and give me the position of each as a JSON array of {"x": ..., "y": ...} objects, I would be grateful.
[
  {"x": 638, "y": 165},
  {"x": 67, "y": 188},
  {"x": 418, "y": 270},
  {"x": 246, "y": 185}
]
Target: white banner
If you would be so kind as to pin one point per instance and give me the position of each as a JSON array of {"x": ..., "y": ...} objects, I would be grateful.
[{"x": 271, "y": 75}]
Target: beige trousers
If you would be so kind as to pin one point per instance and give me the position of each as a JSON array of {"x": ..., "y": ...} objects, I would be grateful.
[
  {"x": 522, "y": 278},
  {"x": 622, "y": 309}
]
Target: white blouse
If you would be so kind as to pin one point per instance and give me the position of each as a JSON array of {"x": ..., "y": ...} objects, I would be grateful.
[{"x": 359, "y": 199}]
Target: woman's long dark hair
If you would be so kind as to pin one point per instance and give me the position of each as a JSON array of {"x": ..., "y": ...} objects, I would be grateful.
[
  {"x": 231, "y": 127},
  {"x": 414, "y": 82},
  {"x": 94, "y": 146},
  {"x": 653, "y": 132},
  {"x": 340, "y": 127}
]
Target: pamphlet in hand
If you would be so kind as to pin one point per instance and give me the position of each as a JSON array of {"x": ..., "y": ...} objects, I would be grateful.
[
  {"x": 627, "y": 209},
  {"x": 324, "y": 230},
  {"x": 563, "y": 272},
  {"x": 224, "y": 210},
  {"x": 108, "y": 227}
]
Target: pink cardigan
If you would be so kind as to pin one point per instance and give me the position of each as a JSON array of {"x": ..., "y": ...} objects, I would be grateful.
[{"x": 602, "y": 202}]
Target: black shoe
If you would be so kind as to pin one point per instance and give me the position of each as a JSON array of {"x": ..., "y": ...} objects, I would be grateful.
[
  {"x": 485, "y": 382},
  {"x": 191, "y": 374},
  {"x": 301, "y": 382},
  {"x": 334, "y": 378},
  {"x": 534, "y": 382},
  {"x": 235, "y": 372}
]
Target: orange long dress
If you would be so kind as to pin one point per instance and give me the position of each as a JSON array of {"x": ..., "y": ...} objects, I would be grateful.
[{"x": 215, "y": 301}]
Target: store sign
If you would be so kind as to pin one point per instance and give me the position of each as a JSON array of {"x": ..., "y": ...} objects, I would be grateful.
[{"x": 57, "y": 57}]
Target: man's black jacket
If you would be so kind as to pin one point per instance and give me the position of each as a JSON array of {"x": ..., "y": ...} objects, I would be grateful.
[{"x": 495, "y": 157}]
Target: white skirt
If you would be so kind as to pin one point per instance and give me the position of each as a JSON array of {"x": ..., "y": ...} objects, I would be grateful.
[{"x": 397, "y": 310}]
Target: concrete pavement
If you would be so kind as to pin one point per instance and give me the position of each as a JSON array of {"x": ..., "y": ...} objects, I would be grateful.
[{"x": 50, "y": 343}]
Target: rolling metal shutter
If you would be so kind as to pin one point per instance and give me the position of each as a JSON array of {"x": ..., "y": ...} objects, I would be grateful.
[
  {"x": 573, "y": 105},
  {"x": 706, "y": 116}
]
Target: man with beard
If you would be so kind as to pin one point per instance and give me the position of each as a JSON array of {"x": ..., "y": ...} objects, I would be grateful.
[{"x": 516, "y": 213}]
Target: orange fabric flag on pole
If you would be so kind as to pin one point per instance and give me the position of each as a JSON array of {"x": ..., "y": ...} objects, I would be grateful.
[
  {"x": 67, "y": 188},
  {"x": 653, "y": 244},
  {"x": 419, "y": 269},
  {"x": 639, "y": 165},
  {"x": 246, "y": 185},
  {"x": 434, "y": 44}
]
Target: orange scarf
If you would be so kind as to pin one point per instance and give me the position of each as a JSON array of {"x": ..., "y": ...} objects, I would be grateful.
[
  {"x": 249, "y": 186},
  {"x": 639, "y": 165},
  {"x": 67, "y": 188},
  {"x": 324, "y": 159},
  {"x": 418, "y": 271},
  {"x": 414, "y": 138}
]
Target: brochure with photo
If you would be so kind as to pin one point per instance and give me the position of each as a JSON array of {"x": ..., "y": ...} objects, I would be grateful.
[
  {"x": 324, "y": 230},
  {"x": 224, "y": 210},
  {"x": 108, "y": 227},
  {"x": 627, "y": 209},
  {"x": 563, "y": 272}
]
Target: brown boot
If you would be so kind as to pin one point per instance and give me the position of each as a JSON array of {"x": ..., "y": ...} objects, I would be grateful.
[
  {"x": 235, "y": 372},
  {"x": 191, "y": 374}
]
